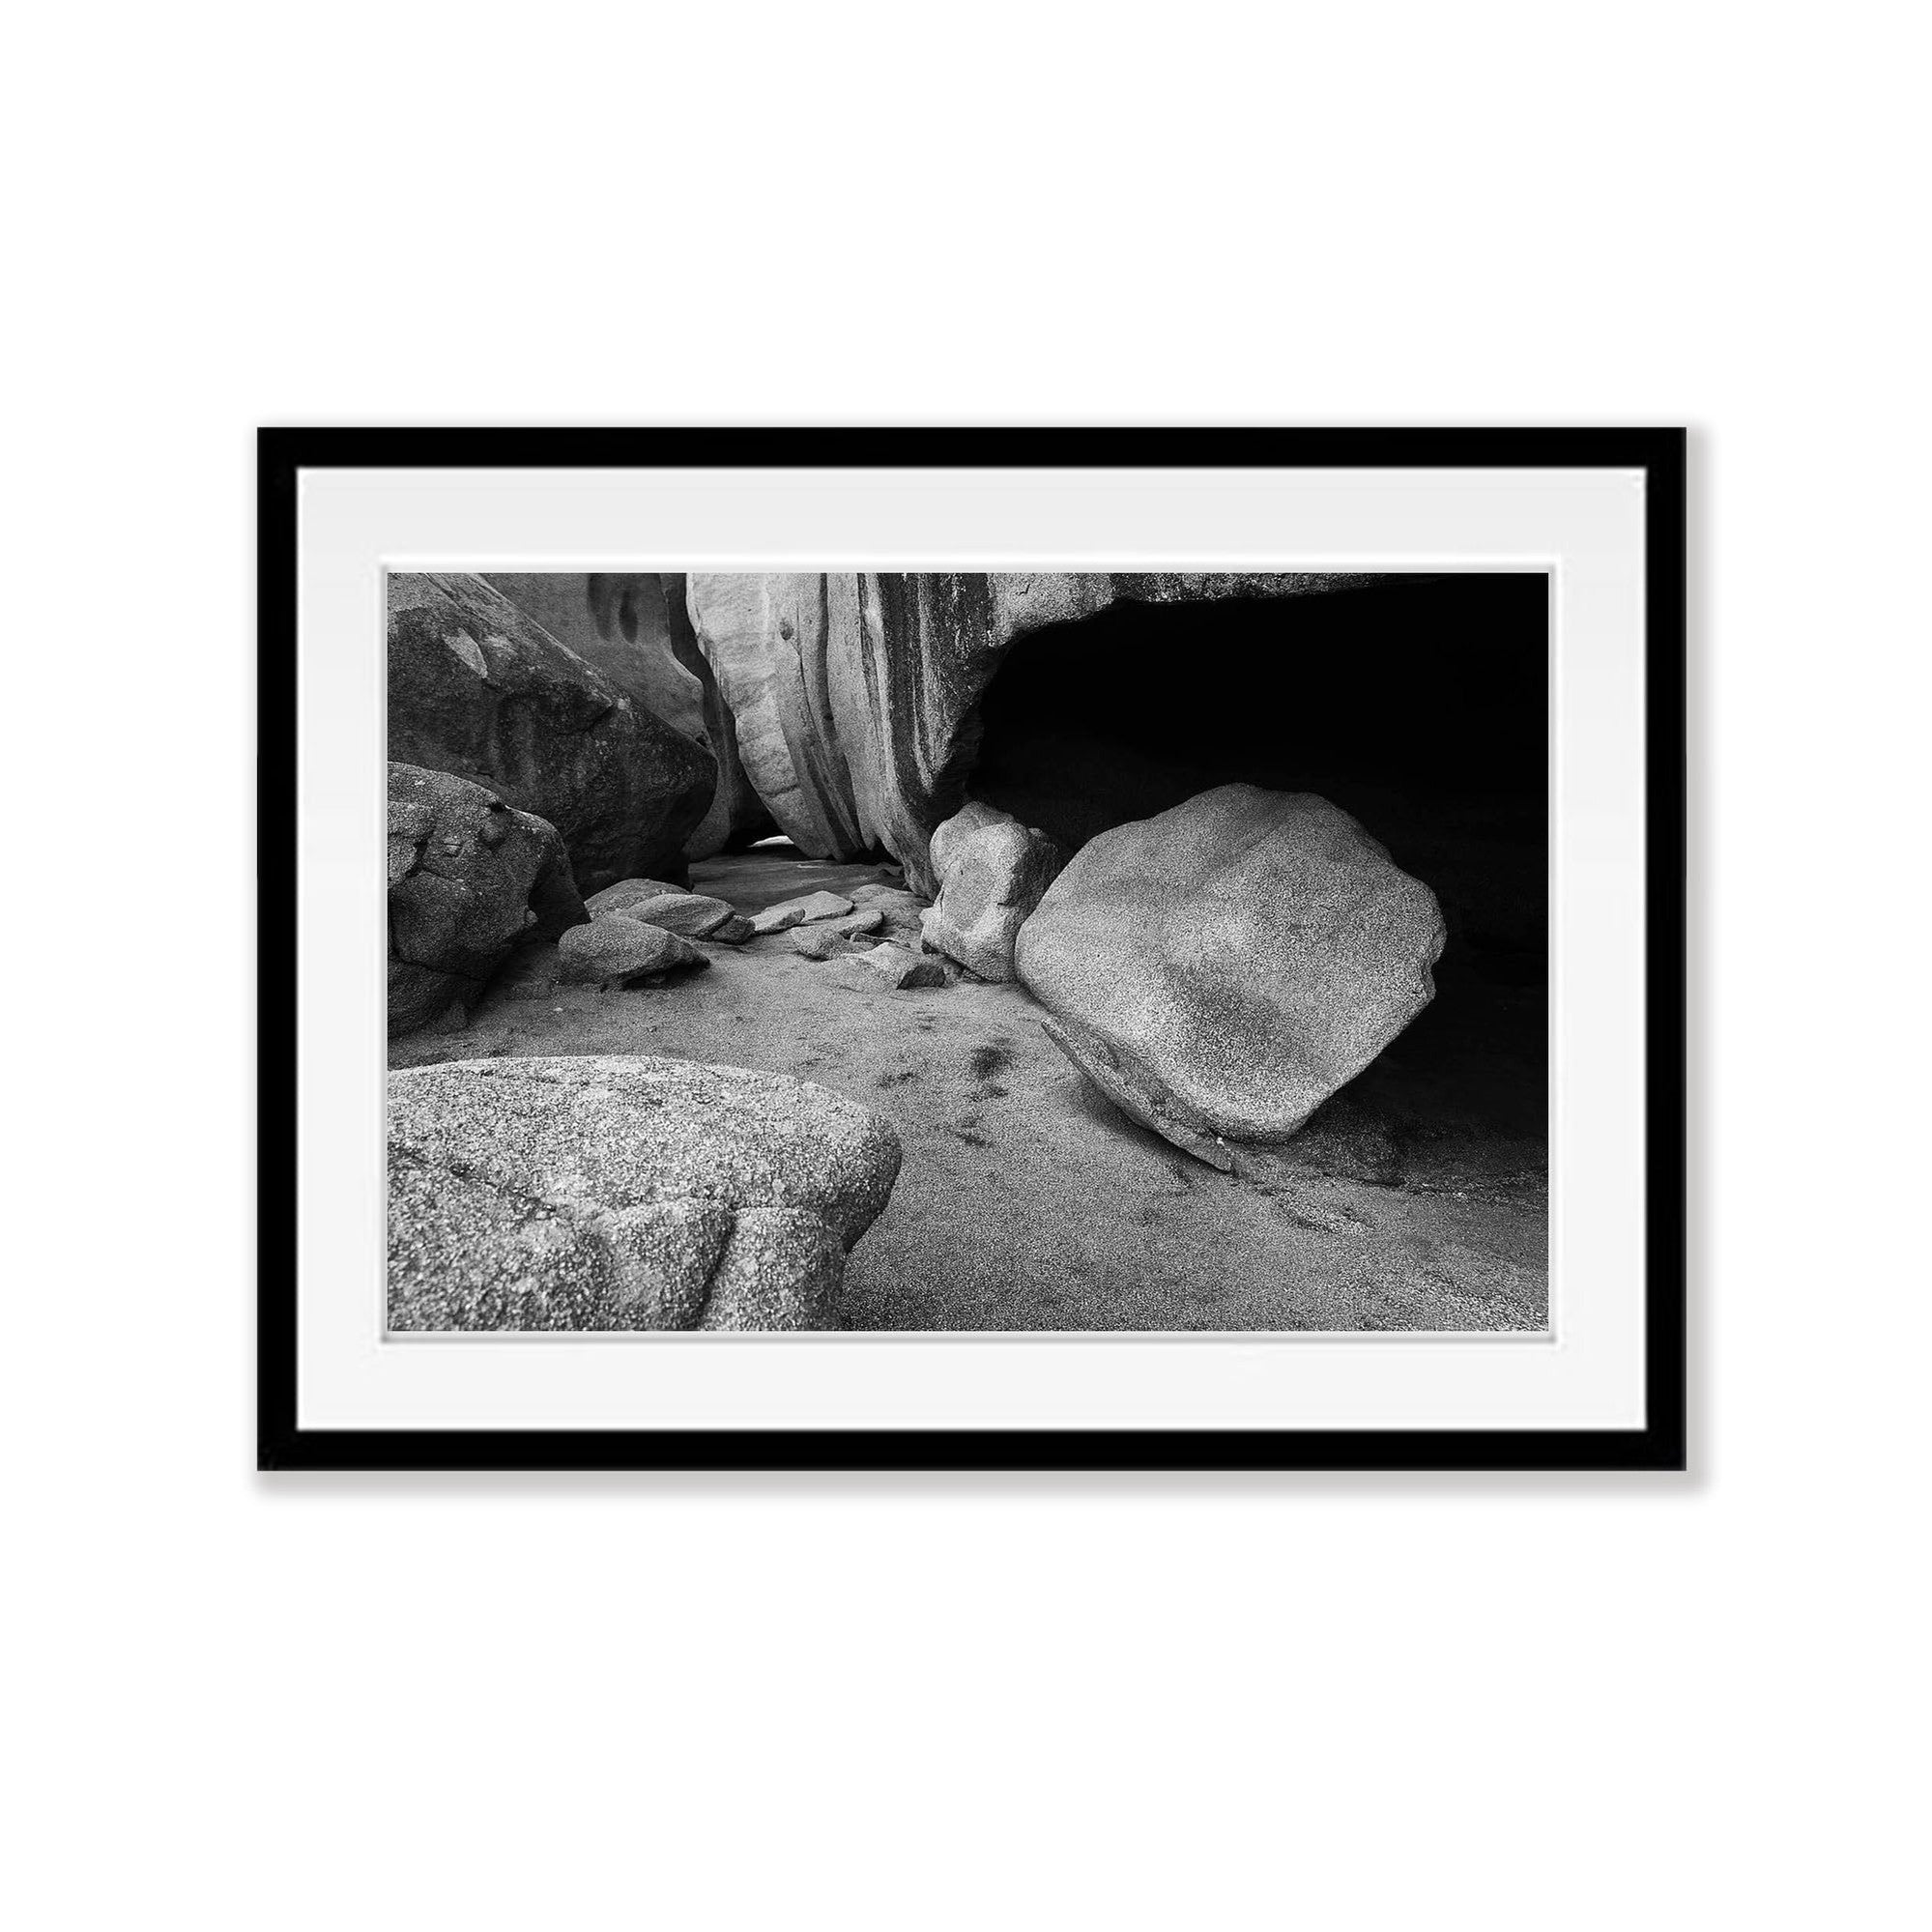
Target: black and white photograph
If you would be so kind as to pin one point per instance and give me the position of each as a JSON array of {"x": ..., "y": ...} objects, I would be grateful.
[
  {"x": 823, "y": 951},
  {"x": 966, "y": 968}
]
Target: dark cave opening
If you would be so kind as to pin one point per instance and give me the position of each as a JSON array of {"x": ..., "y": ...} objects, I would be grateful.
[{"x": 1418, "y": 704}]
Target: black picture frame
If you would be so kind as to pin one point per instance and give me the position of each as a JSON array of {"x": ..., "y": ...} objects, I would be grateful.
[{"x": 1659, "y": 1445}]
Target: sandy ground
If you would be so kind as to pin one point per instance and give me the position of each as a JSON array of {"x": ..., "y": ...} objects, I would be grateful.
[{"x": 1028, "y": 1201}]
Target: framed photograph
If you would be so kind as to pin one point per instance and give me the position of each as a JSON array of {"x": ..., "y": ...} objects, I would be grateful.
[{"x": 972, "y": 949}]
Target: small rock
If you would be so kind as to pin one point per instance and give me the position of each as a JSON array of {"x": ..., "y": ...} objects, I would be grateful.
[
  {"x": 627, "y": 892},
  {"x": 828, "y": 937},
  {"x": 820, "y": 942},
  {"x": 899, "y": 968},
  {"x": 800, "y": 911},
  {"x": 734, "y": 931},
  {"x": 615, "y": 950},
  {"x": 692, "y": 914},
  {"x": 993, "y": 871},
  {"x": 900, "y": 910}
]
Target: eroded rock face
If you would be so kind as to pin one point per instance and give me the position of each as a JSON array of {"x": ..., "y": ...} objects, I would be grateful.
[
  {"x": 620, "y": 624},
  {"x": 477, "y": 688},
  {"x": 1221, "y": 969},
  {"x": 856, "y": 693},
  {"x": 624, "y": 1194},
  {"x": 467, "y": 877},
  {"x": 991, "y": 871},
  {"x": 738, "y": 815}
]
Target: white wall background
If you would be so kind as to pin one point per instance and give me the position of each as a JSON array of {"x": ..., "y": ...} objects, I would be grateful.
[{"x": 236, "y": 1703}]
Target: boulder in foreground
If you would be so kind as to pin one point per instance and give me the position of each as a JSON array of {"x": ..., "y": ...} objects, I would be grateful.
[
  {"x": 467, "y": 877},
  {"x": 624, "y": 1194},
  {"x": 992, "y": 872},
  {"x": 1222, "y": 967}
]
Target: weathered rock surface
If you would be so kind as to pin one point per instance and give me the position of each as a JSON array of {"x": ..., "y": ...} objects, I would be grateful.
[
  {"x": 831, "y": 936},
  {"x": 467, "y": 877},
  {"x": 618, "y": 950},
  {"x": 904, "y": 911},
  {"x": 620, "y": 624},
  {"x": 738, "y": 815},
  {"x": 625, "y": 893},
  {"x": 799, "y": 911},
  {"x": 694, "y": 914},
  {"x": 624, "y": 1194},
  {"x": 820, "y": 942},
  {"x": 992, "y": 872},
  {"x": 479, "y": 690},
  {"x": 894, "y": 967},
  {"x": 856, "y": 693},
  {"x": 1221, "y": 969}
]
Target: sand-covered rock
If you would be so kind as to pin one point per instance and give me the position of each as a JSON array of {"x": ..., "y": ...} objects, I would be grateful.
[
  {"x": 1221, "y": 969},
  {"x": 624, "y": 1194},
  {"x": 618, "y": 950},
  {"x": 991, "y": 871},
  {"x": 856, "y": 694},
  {"x": 480, "y": 690},
  {"x": 468, "y": 878}
]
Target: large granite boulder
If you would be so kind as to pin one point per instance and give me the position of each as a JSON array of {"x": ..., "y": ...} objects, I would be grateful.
[
  {"x": 624, "y": 1194},
  {"x": 856, "y": 693},
  {"x": 992, "y": 872},
  {"x": 477, "y": 688},
  {"x": 467, "y": 877},
  {"x": 1221, "y": 969}
]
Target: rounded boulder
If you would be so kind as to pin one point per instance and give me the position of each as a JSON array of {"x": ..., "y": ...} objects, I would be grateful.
[{"x": 1222, "y": 967}]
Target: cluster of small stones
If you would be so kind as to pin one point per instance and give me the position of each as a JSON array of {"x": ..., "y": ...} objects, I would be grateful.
[{"x": 641, "y": 933}]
